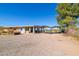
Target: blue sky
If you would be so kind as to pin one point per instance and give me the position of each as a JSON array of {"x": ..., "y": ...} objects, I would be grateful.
[{"x": 21, "y": 14}]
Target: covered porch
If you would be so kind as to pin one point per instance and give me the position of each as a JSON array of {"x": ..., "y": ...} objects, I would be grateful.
[{"x": 22, "y": 29}]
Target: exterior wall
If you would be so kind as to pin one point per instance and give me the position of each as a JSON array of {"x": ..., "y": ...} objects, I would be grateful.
[
  {"x": 27, "y": 32},
  {"x": 22, "y": 31}
]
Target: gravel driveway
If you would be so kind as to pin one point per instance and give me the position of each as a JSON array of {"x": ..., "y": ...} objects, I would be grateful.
[{"x": 38, "y": 45}]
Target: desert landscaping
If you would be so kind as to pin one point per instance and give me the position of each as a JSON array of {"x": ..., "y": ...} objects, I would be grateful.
[{"x": 38, "y": 45}]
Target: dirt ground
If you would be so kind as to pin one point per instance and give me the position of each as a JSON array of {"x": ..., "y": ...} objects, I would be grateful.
[{"x": 38, "y": 45}]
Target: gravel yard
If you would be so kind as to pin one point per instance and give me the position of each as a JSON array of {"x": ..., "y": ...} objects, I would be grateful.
[{"x": 38, "y": 45}]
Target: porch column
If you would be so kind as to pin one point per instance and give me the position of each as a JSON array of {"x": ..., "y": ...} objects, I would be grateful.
[
  {"x": 29, "y": 29},
  {"x": 33, "y": 29},
  {"x": 50, "y": 30},
  {"x": 37, "y": 30},
  {"x": 25, "y": 30},
  {"x": 43, "y": 30}
]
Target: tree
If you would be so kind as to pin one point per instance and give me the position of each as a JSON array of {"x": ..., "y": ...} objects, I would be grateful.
[{"x": 67, "y": 15}]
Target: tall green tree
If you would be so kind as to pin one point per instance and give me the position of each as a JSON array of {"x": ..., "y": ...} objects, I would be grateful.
[{"x": 67, "y": 14}]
